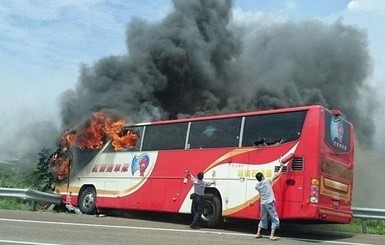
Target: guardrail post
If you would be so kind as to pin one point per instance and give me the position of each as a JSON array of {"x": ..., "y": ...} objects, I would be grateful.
[
  {"x": 33, "y": 205},
  {"x": 365, "y": 226}
]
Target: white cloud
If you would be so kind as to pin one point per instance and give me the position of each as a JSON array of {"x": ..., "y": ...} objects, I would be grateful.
[
  {"x": 367, "y": 6},
  {"x": 291, "y": 5}
]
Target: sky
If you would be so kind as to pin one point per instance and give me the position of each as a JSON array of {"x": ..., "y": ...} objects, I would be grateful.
[{"x": 44, "y": 45}]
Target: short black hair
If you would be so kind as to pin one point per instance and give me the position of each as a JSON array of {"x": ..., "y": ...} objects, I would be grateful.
[
  {"x": 200, "y": 175},
  {"x": 259, "y": 176}
]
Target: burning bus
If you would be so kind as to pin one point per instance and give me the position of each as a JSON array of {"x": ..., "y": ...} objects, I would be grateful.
[{"x": 108, "y": 164}]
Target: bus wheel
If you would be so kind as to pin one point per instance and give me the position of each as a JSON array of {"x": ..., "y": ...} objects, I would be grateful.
[
  {"x": 87, "y": 200},
  {"x": 212, "y": 211}
]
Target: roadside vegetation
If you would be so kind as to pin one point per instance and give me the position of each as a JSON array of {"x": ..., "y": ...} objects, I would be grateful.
[
  {"x": 22, "y": 176},
  {"x": 18, "y": 175},
  {"x": 359, "y": 225}
]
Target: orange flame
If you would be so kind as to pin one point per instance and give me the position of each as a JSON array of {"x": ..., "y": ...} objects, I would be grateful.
[
  {"x": 91, "y": 135},
  {"x": 97, "y": 129}
]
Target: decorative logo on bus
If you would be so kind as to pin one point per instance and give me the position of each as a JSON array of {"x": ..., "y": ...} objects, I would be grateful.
[
  {"x": 109, "y": 168},
  {"x": 250, "y": 173},
  {"x": 138, "y": 163}
]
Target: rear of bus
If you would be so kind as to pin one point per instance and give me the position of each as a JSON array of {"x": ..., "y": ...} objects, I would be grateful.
[{"x": 318, "y": 184}]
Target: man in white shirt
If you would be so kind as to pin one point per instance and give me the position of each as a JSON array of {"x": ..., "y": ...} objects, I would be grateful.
[{"x": 267, "y": 198}]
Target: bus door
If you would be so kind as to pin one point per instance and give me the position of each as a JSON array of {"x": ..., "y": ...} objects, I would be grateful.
[
  {"x": 252, "y": 203},
  {"x": 114, "y": 169},
  {"x": 237, "y": 184}
]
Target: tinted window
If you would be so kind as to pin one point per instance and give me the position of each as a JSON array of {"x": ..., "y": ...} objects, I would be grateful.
[
  {"x": 215, "y": 133},
  {"x": 273, "y": 129},
  {"x": 128, "y": 140},
  {"x": 165, "y": 137},
  {"x": 337, "y": 133}
]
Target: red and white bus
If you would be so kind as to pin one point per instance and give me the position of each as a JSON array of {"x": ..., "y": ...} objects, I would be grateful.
[{"x": 316, "y": 184}]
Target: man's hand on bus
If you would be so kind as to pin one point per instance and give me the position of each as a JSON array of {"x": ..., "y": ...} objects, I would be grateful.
[{"x": 279, "y": 171}]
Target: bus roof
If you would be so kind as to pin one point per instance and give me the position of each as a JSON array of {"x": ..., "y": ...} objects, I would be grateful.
[{"x": 230, "y": 115}]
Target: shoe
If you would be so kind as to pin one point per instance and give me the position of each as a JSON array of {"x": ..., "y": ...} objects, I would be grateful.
[
  {"x": 194, "y": 227},
  {"x": 274, "y": 238},
  {"x": 260, "y": 236}
]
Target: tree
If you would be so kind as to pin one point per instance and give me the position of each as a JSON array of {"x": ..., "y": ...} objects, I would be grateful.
[
  {"x": 8, "y": 180},
  {"x": 42, "y": 177}
]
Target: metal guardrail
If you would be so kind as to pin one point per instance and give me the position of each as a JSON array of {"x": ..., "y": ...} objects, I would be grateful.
[
  {"x": 36, "y": 196},
  {"x": 31, "y": 195},
  {"x": 368, "y": 213}
]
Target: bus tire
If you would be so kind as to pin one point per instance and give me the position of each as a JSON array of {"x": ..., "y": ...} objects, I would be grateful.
[
  {"x": 87, "y": 200},
  {"x": 212, "y": 211}
]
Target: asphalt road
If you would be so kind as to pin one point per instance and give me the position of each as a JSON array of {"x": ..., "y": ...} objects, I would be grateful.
[{"x": 43, "y": 228}]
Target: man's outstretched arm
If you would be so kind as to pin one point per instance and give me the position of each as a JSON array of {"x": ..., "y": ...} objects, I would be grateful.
[{"x": 278, "y": 173}]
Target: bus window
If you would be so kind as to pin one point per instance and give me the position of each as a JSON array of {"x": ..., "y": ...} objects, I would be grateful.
[
  {"x": 272, "y": 129},
  {"x": 215, "y": 133},
  {"x": 337, "y": 133},
  {"x": 81, "y": 157},
  {"x": 127, "y": 140},
  {"x": 165, "y": 137}
]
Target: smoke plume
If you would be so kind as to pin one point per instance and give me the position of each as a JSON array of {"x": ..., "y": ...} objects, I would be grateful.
[{"x": 198, "y": 61}]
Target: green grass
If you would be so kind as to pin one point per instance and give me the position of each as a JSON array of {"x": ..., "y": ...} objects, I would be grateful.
[
  {"x": 358, "y": 225},
  {"x": 14, "y": 204}
]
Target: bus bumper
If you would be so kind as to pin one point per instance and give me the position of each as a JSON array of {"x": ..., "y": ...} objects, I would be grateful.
[{"x": 335, "y": 215}]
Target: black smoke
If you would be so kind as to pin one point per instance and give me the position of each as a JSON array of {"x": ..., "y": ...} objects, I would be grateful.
[{"x": 198, "y": 61}]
